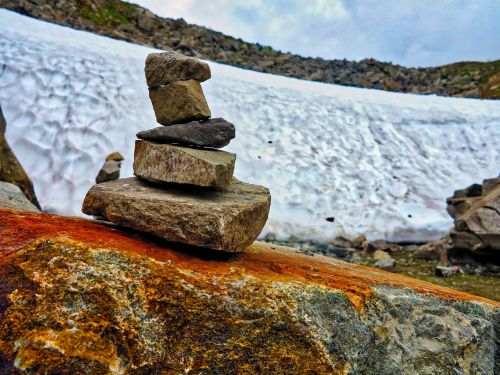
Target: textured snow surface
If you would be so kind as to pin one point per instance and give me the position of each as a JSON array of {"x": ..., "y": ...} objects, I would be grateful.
[{"x": 380, "y": 163}]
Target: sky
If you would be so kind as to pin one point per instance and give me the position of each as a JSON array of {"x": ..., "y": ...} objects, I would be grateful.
[{"x": 406, "y": 32}]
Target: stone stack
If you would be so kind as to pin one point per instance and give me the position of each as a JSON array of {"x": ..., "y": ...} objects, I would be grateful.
[{"x": 184, "y": 190}]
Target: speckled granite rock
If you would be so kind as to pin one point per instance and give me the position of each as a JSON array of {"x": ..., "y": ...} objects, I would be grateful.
[
  {"x": 228, "y": 219},
  {"x": 78, "y": 297},
  {"x": 183, "y": 165},
  {"x": 179, "y": 102},
  {"x": 167, "y": 67},
  {"x": 12, "y": 197},
  {"x": 215, "y": 132}
]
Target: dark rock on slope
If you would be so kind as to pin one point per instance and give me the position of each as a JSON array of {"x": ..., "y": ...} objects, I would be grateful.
[
  {"x": 215, "y": 132},
  {"x": 131, "y": 22}
]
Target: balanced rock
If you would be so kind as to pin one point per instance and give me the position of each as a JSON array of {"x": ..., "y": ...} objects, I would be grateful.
[
  {"x": 168, "y": 67},
  {"x": 182, "y": 165},
  {"x": 215, "y": 132},
  {"x": 179, "y": 102},
  {"x": 12, "y": 197},
  {"x": 227, "y": 219},
  {"x": 79, "y": 297}
]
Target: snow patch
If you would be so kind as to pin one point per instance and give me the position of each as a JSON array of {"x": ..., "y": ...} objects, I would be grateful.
[{"x": 380, "y": 163}]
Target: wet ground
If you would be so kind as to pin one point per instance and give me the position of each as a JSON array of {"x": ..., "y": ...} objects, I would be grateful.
[
  {"x": 484, "y": 286},
  {"x": 481, "y": 285}
]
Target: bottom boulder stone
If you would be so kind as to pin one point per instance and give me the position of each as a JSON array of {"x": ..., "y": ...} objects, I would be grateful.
[
  {"x": 227, "y": 219},
  {"x": 78, "y": 297}
]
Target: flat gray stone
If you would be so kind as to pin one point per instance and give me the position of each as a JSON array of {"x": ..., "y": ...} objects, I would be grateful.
[
  {"x": 179, "y": 102},
  {"x": 12, "y": 197},
  {"x": 215, "y": 132},
  {"x": 183, "y": 165},
  {"x": 168, "y": 67},
  {"x": 228, "y": 219}
]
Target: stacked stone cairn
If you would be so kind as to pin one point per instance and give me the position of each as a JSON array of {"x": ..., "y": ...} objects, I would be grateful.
[{"x": 184, "y": 190}]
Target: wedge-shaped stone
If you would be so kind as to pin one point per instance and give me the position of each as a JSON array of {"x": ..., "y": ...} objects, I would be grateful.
[
  {"x": 183, "y": 165},
  {"x": 167, "y": 67},
  {"x": 215, "y": 132},
  {"x": 227, "y": 219},
  {"x": 179, "y": 102}
]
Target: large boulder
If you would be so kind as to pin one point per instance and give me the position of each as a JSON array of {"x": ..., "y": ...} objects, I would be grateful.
[
  {"x": 476, "y": 211},
  {"x": 11, "y": 170},
  {"x": 82, "y": 298},
  {"x": 183, "y": 165},
  {"x": 227, "y": 219}
]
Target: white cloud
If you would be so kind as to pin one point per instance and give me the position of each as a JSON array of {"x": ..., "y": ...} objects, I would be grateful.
[{"x": 408, "y": 32}]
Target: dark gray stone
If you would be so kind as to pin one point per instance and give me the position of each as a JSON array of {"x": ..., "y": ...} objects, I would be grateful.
[
  {"x": 215, "y": 133},
  {"x": 110, "y": 171}
]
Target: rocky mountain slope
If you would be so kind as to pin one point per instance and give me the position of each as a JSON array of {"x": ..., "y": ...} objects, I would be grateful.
[
  {"x": 133, "y": 23},
  {"x": 81, "y": 297}
]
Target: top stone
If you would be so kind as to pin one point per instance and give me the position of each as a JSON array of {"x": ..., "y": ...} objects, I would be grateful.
[{"x": 168, "y": 67}]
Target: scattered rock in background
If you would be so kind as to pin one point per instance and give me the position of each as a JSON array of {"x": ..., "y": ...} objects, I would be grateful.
[
  {"x": 476, "y": 211},
  {"x": 110, "y": 170},
  {"x": 11, "y": 170},
  {"x": 444, "y": 271},
  {"x": 383, "y": 260},
  {"x": 12, "y": 197}
]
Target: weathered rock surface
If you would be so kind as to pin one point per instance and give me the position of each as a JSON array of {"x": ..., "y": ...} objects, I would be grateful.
[
  {"x": 79, "y": 297},
  {"x": 168, "y": 67},
  {"x": 12, "y": 197},
  {"x": 476, "y": 211},
  {"x": 227, "y": 219},
  {"x": 179, "y": 102},
  {"x": 110, "y": 171},
  {"x": 11, "y": 170},
  {"x": 183, "y": 165},
  {"x": 215, "y": 132}
]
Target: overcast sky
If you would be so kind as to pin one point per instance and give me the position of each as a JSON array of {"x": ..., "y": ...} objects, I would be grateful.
[{"x": 407, "y": 32}]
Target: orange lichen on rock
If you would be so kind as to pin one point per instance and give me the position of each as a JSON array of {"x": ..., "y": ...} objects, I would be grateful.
[
  {"x": 82, "y": 297},
  {"x": 17, "y": 229}
]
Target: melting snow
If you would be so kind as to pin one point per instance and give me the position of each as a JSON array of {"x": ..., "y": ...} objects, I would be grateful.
[{"x": 380, "y": 163}]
